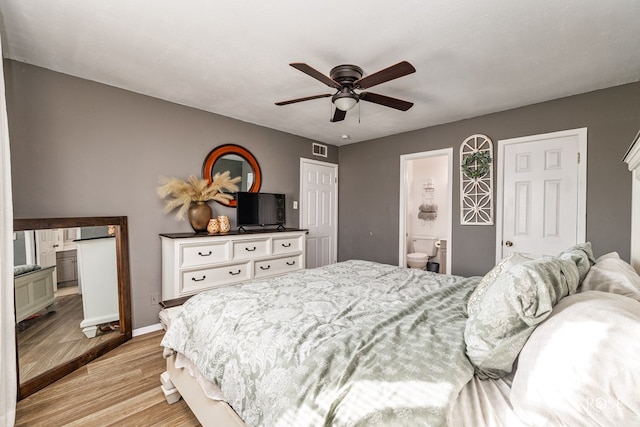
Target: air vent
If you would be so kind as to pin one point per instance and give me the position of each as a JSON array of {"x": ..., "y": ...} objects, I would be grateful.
[{"x": 319, "y": 150}]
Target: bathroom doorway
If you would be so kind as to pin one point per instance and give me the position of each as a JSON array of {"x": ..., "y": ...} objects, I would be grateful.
[{"x": 426, "y": 197}]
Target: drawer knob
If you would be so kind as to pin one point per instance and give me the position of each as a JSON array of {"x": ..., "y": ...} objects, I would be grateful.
[
  {"x": 250, "y": 250},
  {"x": 198, "y": 280},
  {"x": 291, "y": 263},
  {"x": 265, "y": 268},
  {"x": 286, "y": 245},
  {"x": 201, "y": 254},
  {"x": 234, "y": 274}
]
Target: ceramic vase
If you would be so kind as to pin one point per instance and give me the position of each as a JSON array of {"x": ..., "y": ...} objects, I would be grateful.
[
  {"x": 223, "y": 220},
  {"x": 214, "y": 226},
  {"x": 199, "y": 214}
]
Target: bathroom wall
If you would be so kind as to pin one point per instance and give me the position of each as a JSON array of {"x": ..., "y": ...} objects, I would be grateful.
[{"x": 421, "y": 171}]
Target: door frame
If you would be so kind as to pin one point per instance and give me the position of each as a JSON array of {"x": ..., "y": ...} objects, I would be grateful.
[
  {"x": 404, "y": 184},
  {"x": 334, "y": 201},
  {"x": 581, "y": 222}
]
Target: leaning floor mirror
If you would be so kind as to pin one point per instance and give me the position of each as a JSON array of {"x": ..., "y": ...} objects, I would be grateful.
[{"x": 72, "y": 294}]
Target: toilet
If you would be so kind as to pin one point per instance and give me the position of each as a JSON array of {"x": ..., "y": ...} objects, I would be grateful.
[{"x": 424, "y": 248}]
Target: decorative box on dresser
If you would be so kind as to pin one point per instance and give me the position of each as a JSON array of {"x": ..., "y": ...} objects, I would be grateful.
[{"x": 193, "y": 263}]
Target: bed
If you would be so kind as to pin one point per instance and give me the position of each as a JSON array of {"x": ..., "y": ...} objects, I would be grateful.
[
  {"x": 359, "y": 343},
  {"x": 33, "y": 290}
]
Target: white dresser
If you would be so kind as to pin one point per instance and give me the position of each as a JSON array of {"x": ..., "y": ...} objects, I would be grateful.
[{"x": 192, "y": 263}]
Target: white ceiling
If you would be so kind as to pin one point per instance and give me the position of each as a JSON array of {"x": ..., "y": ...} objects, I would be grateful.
[{"x": 231, "y": 57}]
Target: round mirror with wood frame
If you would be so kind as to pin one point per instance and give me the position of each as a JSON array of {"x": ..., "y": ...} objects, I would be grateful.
[
  {"x": 239, "y": 161},
  {"x": 121, "y": 332}
]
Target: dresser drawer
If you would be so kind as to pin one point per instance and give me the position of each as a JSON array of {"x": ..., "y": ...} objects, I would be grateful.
[
  {"x": 204, "y": 253},
  {"x": 272, "y": 267},
  {"x": 207, "y": 278},
  {"x": 286, "y": 245},
  {"x": 248, "y": 249}
]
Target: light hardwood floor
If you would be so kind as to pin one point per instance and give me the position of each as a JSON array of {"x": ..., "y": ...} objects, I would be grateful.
[
  {"x": 121, "y": 388},
  {"x": 54, "y": 338}
]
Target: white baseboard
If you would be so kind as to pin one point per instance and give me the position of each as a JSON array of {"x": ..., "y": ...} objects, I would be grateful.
[{"x": 146, "y": 330}]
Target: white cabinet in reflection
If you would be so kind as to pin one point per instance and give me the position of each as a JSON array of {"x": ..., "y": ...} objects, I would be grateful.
[{"x": 97, "y": 282}]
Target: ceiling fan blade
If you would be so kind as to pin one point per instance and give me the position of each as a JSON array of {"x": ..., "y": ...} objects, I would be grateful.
[
  {"x": 306, "y": 98},
  {"x": 393, "y": 72},
  {"x": 338, "y": 115},
  {"x": 315, "y": 74},
  {"x": 387, "y": 101}
]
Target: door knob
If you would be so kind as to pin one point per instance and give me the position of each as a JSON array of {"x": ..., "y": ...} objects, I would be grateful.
[{"x": 508, "y": 243}]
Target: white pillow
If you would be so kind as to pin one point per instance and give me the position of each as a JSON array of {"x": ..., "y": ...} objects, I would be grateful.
[
  {"x": 581, "y": 366},
  {"x": 612, "y": 274}
]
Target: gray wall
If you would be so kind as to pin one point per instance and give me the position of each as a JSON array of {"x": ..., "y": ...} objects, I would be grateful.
[
  {"x": 80, "y": 148},
  {"x": 370, "y": 176}
]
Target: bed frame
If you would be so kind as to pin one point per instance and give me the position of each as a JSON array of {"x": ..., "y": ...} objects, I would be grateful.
[
  {"x": 632, "y": 158},
  {"x": 33, "y": 292},
  {"x": 209, "y": 412}
]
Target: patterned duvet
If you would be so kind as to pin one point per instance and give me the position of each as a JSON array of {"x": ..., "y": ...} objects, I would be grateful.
[{"x": 351, "y": 344}]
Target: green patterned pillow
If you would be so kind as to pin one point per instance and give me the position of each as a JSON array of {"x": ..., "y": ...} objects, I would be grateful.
[
  {"x": 582, "y": 255},
  {"x": 505, "y": 264},
  {"x": 515, "y": 302}
]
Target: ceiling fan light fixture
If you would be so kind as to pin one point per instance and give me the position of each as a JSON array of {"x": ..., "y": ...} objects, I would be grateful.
[{"x": 345, "y": 100}]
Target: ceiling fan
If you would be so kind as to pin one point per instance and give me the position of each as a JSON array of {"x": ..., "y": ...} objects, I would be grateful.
[{"x": 347, "y": 79}]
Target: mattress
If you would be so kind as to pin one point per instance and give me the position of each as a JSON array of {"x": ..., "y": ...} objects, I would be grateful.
[
  {"x": 340, "y": 336},
  {"x": 304, "y": 349}
]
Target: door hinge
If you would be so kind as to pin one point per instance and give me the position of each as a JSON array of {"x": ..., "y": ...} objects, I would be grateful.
[
  {"x": 578, "y": 158},
  {"x": 335, "y": 179}
]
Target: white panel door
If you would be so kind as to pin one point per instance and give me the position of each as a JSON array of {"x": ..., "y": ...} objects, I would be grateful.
[
  {"x": 542, "y": 202},
  {"x": 319, "y": 210},
  {"x": 46, "y": 243}
]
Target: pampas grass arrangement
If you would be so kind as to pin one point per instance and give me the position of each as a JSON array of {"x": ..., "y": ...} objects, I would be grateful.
[{"x": 182, "y": 193}]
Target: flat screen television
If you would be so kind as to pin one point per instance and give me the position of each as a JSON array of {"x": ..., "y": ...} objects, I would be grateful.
[{"x": 260, "y": 209}]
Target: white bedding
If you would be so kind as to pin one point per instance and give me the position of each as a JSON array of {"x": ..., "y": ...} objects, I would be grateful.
[
  {"x": 484, "y": 403},
  {"x": 582, "y": 366}
]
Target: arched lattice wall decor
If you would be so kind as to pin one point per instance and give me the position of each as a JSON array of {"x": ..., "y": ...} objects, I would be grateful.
[{"x": 476, "y": 181}]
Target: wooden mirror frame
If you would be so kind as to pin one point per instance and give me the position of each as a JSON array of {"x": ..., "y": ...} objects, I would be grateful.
[
  {"x": 124, "y": 295},
  {"x": 216, "y": 153}
]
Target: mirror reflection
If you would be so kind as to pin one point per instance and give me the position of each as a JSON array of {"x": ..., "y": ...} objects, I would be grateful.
[
  {"x": 66, "y": 295},
  {"x": 239, "y": 162},
  {"x": 238, "y": 167}
]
